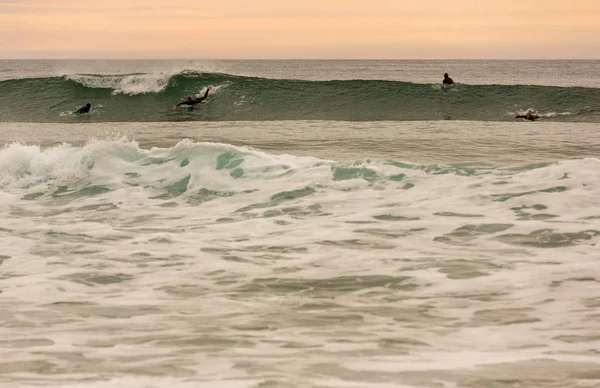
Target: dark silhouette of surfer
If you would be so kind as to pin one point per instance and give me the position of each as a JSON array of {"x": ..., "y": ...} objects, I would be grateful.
[
  {"x": 528, "y": 116},
  {"x": 84, "y": 109},
  {"x": 447, "y": 80},
  {"x": 190, "y": 101}
]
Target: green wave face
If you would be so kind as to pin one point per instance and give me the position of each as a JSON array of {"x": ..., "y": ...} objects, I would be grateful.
[{"x": 151, "y": 98}]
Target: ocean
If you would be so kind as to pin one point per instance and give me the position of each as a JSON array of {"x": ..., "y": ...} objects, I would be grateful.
[{"x": 315, "y": 224}]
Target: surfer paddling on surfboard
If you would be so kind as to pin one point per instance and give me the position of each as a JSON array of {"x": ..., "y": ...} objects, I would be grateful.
[
  {"x": 191, "y": 102},
  {"x": 528, "y": 116},
  {"x": 84, "y": 109}
]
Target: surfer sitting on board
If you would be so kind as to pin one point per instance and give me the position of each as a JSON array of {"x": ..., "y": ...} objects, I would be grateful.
[
  {"x": 195, "y": 101},
  {"x": 447, "y": 80},
  {"x": 84, "y": 109},
  {"x": 528, "y": 116}
]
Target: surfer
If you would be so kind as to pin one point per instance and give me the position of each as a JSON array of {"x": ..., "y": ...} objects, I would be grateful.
[
  {"x": 528, "y": 116},
  {"x": 447, "y": 80},
  {"x": 84, "y": 109},
  {"x": 195, "y": 101}
]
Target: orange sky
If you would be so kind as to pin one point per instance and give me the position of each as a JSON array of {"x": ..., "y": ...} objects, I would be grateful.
[{"x": 377, "y": 29}]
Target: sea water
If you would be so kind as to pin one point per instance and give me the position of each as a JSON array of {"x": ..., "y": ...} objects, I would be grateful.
[{"x": 316, "y": 224}]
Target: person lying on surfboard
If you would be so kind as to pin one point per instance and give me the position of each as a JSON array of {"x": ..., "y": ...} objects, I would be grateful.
[
  {"x": 195, "y": 101},
  {"x": 447, "y": 80},
  {"x": 84, "y": 109},
  {"x": 528, "y": 116}
]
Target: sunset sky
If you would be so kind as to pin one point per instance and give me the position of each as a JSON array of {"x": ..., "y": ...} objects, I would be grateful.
[{"x": 366, "y": 29}]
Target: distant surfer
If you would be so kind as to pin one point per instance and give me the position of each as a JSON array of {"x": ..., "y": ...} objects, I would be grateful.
[
  {"x": 447, "y": 83},
  {"x": 195, "y": 101},
  {"x": 528, "y": 116},
  {"x": 84, "y": 109},
  {"x": 447, "y": 80}
]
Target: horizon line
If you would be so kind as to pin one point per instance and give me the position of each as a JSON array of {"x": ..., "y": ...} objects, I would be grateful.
[{"x": 295, "y": 59}]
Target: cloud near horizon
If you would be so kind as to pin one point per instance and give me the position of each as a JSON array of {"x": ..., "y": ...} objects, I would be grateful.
[{"x": 378, "y": 29}]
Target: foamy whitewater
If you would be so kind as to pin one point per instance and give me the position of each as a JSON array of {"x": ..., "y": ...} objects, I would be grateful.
[{"x": 297, "y": 253}]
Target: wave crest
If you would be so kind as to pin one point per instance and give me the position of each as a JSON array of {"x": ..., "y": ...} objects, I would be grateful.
[{"x": 130, "y": 84}]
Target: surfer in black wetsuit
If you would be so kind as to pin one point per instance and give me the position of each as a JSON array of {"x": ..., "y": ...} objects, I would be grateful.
[
  {"x": 195, "y": 101},
  {"x": 447, "y": 80},
  {"x": 84, "y": 109},
  {"x": 528, "y": 116}
]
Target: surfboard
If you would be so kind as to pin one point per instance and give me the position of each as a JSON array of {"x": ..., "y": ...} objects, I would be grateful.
[
  {"x": 190, "y": 107},
  {"x": 185, "y": 107}
]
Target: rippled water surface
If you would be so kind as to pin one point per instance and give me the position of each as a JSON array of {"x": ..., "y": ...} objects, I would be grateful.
[{"x": 300, "y": 254}]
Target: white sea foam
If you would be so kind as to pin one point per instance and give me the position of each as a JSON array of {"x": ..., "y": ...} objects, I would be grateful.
[
  {"x": 133, "y": 84},
  {"x": 126, "y": 84},
  {"x": 555, "y": 114},
  {"x": 207, "y": 263},
  {"x": 541, "y": 114}
]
